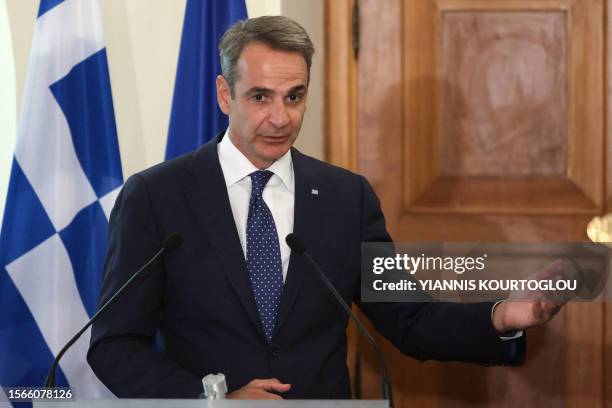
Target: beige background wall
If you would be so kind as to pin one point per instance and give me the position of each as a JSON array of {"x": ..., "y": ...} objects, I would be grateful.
[
  {"x": 8, "y": 116},
  {"x": 143, "y": 39}
]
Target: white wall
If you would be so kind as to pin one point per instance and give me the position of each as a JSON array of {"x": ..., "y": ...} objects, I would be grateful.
[
  {"x": 257, "y": 8},
  {"x": 8, "y": 100},
  {"x": 143, "y": 40}
]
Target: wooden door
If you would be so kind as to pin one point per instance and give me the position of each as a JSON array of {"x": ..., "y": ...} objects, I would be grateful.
[{"x": 480, "y": 120}]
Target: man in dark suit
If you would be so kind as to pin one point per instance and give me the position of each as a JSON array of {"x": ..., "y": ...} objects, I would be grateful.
[{"x": 233, "y": 299}]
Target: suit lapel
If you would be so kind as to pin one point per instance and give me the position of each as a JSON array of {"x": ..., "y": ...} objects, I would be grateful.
[
  {"x": 207, "y": 195},
  {"x": 311, "y": 195}
]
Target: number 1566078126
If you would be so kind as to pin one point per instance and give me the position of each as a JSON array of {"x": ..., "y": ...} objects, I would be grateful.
[{"x": 25, "y": 394}]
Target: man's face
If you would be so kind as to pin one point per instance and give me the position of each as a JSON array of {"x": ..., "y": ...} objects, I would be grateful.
[{"x": 266, "y": 113}]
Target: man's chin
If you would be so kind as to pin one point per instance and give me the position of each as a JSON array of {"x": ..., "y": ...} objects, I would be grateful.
[
  {"x": 273, "y": 153},
  {"x": 274, "y": 150}
]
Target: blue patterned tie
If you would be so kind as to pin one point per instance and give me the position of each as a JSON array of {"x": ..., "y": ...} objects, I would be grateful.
[{"x": 263, "y": 254}]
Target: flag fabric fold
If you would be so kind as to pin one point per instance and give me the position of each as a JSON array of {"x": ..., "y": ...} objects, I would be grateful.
[
  {"x": 65, "y": 176},
  {"x": 195, "y": 116}
]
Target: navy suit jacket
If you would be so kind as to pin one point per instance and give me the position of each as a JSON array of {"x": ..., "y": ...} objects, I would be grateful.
[{"x": 199, "y": 297}]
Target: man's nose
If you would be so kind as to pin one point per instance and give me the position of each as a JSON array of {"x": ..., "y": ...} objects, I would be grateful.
[{"x": 279, "y": 116}]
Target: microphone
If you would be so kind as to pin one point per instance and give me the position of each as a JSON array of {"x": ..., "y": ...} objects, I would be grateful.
[
  {"x": 171, "y": 243},
  {"x": 297, "y": 246}
]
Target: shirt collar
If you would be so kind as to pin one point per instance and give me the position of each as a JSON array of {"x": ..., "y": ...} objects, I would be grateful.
[{"x": 236, "y": 166}]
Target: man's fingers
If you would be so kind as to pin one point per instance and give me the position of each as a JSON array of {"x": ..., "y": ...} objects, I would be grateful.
[
  {"x": 551, "y": 308},
  {"x": 263, "y": 382},
  {"x": 278, "y": 387},
  {"x": 261, "y": 389},
  {"x": 270, "y": 384},
  {"x": 544, "y": 311},
  {"x": 557, "y": 269}
]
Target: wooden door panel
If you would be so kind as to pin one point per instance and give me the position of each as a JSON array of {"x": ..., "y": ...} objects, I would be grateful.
[
  {"x": 483, "y": 120},
  {"x": 502, "y": 101}
]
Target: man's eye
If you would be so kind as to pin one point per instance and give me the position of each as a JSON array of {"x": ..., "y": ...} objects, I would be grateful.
[
  {"x": 259, "y": 97},
  {"x": 295, "y": 98}
]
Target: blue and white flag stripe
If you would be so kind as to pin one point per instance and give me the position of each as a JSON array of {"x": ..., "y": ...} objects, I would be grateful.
[
  {"x": 65, "y": 177},
  {"x": 53, "y": 166}
]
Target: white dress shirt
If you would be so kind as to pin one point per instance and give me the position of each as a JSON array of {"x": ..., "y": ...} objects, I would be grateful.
[{"x": 279, "y": 193}]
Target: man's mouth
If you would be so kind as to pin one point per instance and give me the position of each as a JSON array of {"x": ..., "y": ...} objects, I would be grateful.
[{"x": 280, "y": 139}]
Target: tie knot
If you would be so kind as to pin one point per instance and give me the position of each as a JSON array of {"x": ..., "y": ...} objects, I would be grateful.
[{"x": 259, "y": 179}]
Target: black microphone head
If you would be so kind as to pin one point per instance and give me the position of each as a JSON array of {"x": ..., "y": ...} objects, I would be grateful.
[
  {"x": 295, "y": 244},
  {"x": 172, "y": 242}
]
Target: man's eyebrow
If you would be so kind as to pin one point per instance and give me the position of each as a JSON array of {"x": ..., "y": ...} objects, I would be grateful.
[
  {"x": 259, "y": 90},
  {"x": 267, "y": 91},
  {"x": 298, "y": 89}
]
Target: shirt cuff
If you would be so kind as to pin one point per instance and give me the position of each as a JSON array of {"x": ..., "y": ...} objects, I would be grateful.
[{"x": 508, "y": 335}]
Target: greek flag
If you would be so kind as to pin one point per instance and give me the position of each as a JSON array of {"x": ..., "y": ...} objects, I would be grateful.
[
  {"x": 196, "y": 117},
  {"x": 65, "y": 175}
]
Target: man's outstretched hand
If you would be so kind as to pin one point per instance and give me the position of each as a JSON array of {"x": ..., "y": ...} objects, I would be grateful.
[
  {"x": 260, "y": 389},
  {"x": 524, "y": 310},
  {"x": 511, "y": 316}
]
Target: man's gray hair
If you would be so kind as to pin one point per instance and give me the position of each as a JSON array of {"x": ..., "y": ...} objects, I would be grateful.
[{"x": 277, "y": 32}]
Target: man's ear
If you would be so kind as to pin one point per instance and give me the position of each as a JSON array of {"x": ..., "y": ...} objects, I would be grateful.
[{"x": 223, "y": 94}]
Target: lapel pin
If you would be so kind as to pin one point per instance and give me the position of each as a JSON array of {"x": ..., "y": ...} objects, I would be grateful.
[{"x": 314, "y": 191}]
